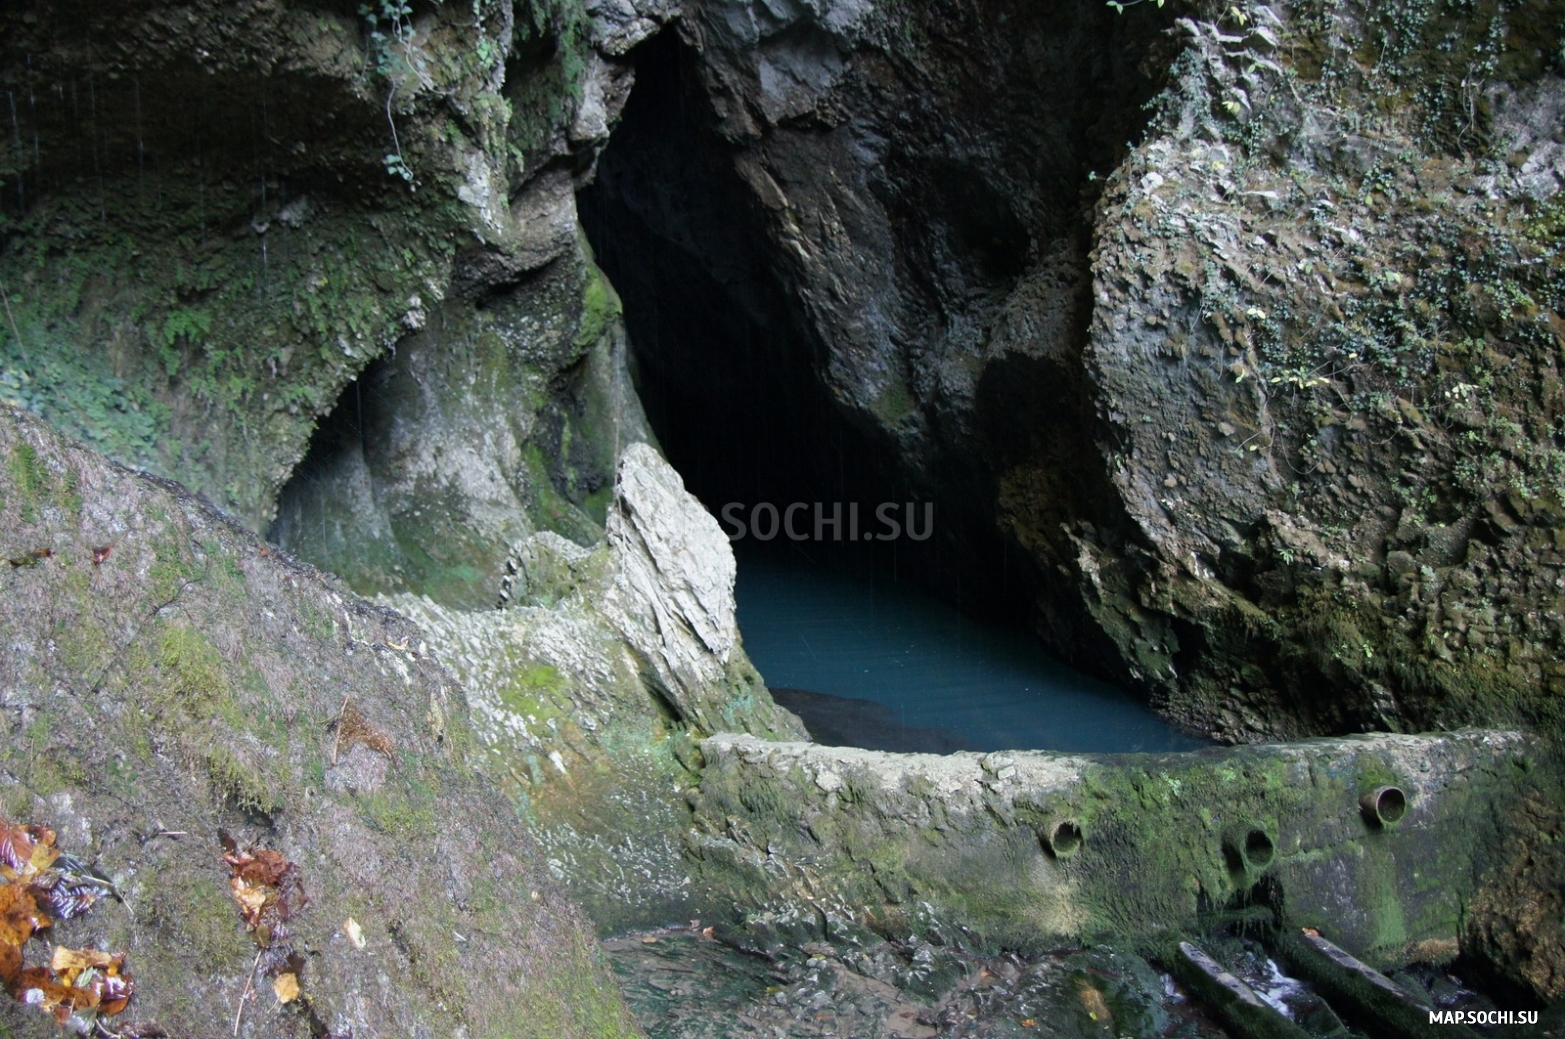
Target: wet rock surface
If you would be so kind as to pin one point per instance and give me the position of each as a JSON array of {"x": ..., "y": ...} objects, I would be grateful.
[
  {"x": 1251, "y": 398},
  {"x": 682, "y": 985},
  {"x": 687, "y": 983},
  {"x": 798, "y": 835}
]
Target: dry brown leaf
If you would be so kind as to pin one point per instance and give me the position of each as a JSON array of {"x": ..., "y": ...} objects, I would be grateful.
[
  {"x": 260, "y": 866},
  {"x": 252, "y": 898},
  {"x": 86, "y": 982},
  {"x": 19, "y": 915},
  {"x": 353, "y": 727},
  {"x": 287, "y": 987},
  {"x": 267, "y": 887},
  {"x": 25, "y": 851},
  {"x": 40, "y": 987},
  {"x": 354, "y": 932},
  {"x": 10, "y": 964},
  {"x": 100, "y": 975},
  {"x": 69, "y": 963}
]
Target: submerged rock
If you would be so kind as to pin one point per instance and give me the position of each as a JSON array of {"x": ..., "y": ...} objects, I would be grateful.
[{"x": 685, "y": 986}]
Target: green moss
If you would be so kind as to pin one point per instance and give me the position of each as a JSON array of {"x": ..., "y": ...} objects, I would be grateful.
[
  {"x": 316, "y": 619},
  {"x": 395, "y": 814},
  {"x": 245, "y": 788},
  {"x": 199, "y": 915},
  {"x": 192, "y": 672},
  {"x": 194, "y": 354},
  {"x": 534, "y": 692},
  {"x": 29, "y": 477},
  {"x": 600, "y": 307},
  {"x": 84, "y": 644},
  {"x": 895, "y": 401},
  {"x": 425, "y": 935},
  {"x": 573, "y": 1002}
]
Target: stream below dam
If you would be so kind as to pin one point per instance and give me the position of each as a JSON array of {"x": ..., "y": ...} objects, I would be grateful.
[{"x": 875, "y": 664}]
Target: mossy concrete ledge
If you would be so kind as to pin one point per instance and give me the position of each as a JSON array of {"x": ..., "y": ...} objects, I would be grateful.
[{"x": 961, "y": 844}]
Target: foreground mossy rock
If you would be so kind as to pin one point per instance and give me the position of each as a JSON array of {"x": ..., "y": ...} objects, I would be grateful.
[
  {"x": 592, "y": 685},
  {"x": 167, "y": 678}
]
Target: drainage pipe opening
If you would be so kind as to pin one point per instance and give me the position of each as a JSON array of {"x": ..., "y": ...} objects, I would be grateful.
[
  {"x": 1063, "y": 839},
  {"x": 1249, "y": 849},
  {"x": 1383, "y": 806}
]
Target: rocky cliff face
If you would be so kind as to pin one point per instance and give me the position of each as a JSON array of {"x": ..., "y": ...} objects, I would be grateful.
[
  {"x": 1256, "y": 408},
  {"x": 1332, "y": 460},
  {"x": 1224, "y": 337}
]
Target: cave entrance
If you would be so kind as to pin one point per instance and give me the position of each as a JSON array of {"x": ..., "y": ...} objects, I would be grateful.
[
  {"x": 842, "y": 506},
  {"x": 724, "y": 361}
]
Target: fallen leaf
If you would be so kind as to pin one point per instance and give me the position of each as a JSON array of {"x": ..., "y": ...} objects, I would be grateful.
[
  {"x": 354, "y": 932},
  {"x": 115, "y": 993},
  {"x": 32, "y": 558},
  {"x": 101, "y": 553},
  {"x": 19, "y": 915},
  {"x": 267, "y": 887},
  {"x": 40, "y": 987},
  {"x": 263, "y": 866},
  {"x": 83, "y": 984},
  {"x": 287, "y": 987},
  {"x": 25, "y": 851},
  {"x": 100, "y": 975},
  {"x": 1093, "y": 1003},
  {"x": 62, "y": 899},
  {"x": 10, "y": 964},
  {"x": 68, "y": 963},
  {"x": 253, "y": 899},
  {"x": 352, "y": 727}
]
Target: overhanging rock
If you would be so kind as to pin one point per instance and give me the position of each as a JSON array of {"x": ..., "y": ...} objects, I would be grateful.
[{"x": 982, "y": 844}]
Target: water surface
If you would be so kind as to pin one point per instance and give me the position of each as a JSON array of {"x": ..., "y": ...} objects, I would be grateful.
[{"x": 918, "y": 675}]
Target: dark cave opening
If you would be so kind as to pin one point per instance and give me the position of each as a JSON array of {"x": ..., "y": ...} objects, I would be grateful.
[
  {"x": 729, "y": 367},
  {"x": 733, "y": 361},
  {"x": 724, "y": 362}
]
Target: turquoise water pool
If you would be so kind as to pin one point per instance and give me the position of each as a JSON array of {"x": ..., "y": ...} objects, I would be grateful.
[{"x": 882, "y": 666}]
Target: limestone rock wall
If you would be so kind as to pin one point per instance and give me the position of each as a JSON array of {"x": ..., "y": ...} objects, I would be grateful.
[
  {"x": 594, "y": 682},
  {"x": 169, "y": 678},
  {"x": 1262, "y": 405}
]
